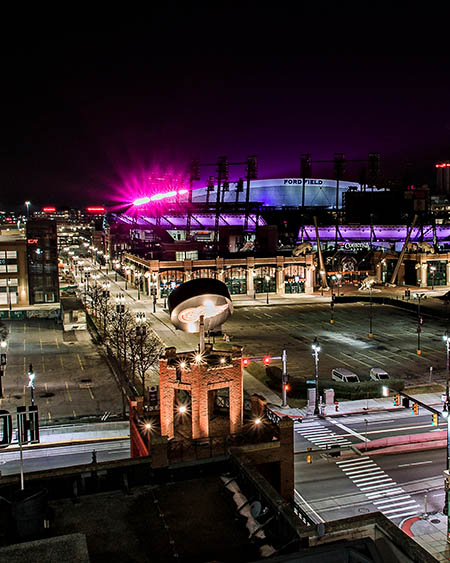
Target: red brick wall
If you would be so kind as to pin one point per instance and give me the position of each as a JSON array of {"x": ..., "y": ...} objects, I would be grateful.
[{"x": 199, "y": 379}]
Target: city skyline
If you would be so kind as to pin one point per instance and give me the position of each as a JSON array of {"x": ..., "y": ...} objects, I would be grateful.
[{"x": 101, "y": 112}]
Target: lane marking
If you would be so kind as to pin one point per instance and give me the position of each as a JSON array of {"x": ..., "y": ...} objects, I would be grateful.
[
  {"x": 379, "y": 486},
  {"x": 399, "y": 509},
  {"x": 416, "y": 463},
  {"x": 396, "y": 503},
  {"x": 396, "y": 491},
  {"x": 79, "y": 360},
  {"x": 404, "y": 514},
  {"x": 61, "y": 361},
  {"x": 309, "y": 506},
  {"x": 359, "y": 460},
  {"x": 68, "y": 392},
  {"x": 356, "y": 360},
  {"x": 90, "y": 392},
  {"x": 349, "y": 430}
]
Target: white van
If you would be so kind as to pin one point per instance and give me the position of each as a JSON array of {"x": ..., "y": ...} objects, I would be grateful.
[
  {"x": 378, "y": 374},
  {"x": 344, "y": 375}
]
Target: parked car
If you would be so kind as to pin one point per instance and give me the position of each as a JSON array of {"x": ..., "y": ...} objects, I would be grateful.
[
  {"x": 344, "y": 375},
  {"x": 378, "y": 374}
]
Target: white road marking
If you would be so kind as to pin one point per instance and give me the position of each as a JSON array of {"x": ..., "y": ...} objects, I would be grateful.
[
  {"x": 349, "y": 430},
  {"x": 353, "y": 461},
  {"x": 374, "y": 478},
  {"x": 385, "y": 484},
  {"x": 381, "y": 494},
  {"x": 303, "y": 501},
  {"x": 416, "y": 463},
  {"x": 399, "y": 510},
  {"x": 411, "y": 501}
]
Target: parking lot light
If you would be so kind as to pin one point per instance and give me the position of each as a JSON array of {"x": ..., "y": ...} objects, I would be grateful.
[{"x": 316, "y": 349}]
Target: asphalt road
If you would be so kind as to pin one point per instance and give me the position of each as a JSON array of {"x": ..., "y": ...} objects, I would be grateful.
[
  {"x": 332, "y": 488},
  {"x": 72, "y": 379},
  {"x": 37, "y": 458},
  {"x": 266, "y": 330}
]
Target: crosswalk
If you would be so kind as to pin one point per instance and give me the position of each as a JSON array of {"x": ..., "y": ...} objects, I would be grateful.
[
  {"x": 382, "y": 491},
  {"x": 321, "y": 436}
]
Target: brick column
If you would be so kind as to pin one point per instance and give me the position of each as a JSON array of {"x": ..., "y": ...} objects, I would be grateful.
[
  {"x": 310, "y": 279},
  {"x": 279, "y": 275},
  {"x": 287, "y": 458},
  {"x": 423, "y": 274},
  {"x": 236, "y": 393}
]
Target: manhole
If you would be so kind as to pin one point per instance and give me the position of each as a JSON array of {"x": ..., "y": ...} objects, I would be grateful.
[
  {"x": 88, "y": 380},
  {"x": 46, "y": 395},
  {"x": 435, "y": 521}
]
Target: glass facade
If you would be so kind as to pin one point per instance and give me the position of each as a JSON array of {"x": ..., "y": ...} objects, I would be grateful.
[
  {"x": 169, "y": 280},
  {"x": 294, "y": 279},
  {"x": 265, "y": 279},
  {"x": 236, "y": 280},
  {"x": 42, "y": 258},
  {"x": 436, "y": 273}
]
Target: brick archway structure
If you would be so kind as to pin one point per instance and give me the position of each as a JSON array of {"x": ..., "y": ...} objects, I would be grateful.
[{"x": 216, "y": 370}]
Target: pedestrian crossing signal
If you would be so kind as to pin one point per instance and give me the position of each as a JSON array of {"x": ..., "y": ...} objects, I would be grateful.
[
  {"x": 245, "y": 362},
  {"x": 396, "y": 399},
  {"x": 415, "y": 408},
  {"x": 434, "y": 420}
]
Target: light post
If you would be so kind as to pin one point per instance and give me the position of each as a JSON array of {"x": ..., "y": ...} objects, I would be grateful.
[
  {"x": 419, "y": 324},
  {"x": 138, "y": 275},
  {"x": 127, "y": 273},
  {"x": 31, "y": 377},
  {"x": 445, "y": 411},
  {"x": 28, "y": 203},
  {"x": 316, "y": 349},
  {"x": 370, "y": 314},
  {"x": 322, "y": 275},
  {"x": 147, "y": 276},
  {"x": 107, "y": 262},
  {"x": 432, "y": 270},
  {"x": 120, "y": 303},
  {"x": 338, "y": 277},
  {"x": 332, "y": 301},
  {"x": 2, "y": 365},
  {"x": 267, "y": 278},
  {"x": 116, "y": 267}
]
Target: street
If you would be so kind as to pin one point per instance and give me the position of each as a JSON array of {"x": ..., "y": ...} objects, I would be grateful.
[{"x": 72, "y": 379}]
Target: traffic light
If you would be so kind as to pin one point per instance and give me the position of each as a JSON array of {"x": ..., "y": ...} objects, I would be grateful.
[
  {"x": 266, "y": 360},
  {"x": 434, "y": 419},
  {"x": 415, "y": 408},
  {"x": 309, "y": 456},
  {"x": 245, "y": 362},
  {"x": 396, "y": 399}
]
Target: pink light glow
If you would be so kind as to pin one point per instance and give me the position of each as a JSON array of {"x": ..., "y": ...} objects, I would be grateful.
[{"x": 141, "y": 201}]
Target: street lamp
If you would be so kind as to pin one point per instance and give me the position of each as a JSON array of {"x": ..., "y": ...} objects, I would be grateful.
[
  {"x": 316, "y": 349},
  {"x": 2, "y": 365},
  {"x": 370, "y": 314},
  {"x": 127, "y": 273},
  {"x": 28, "y": 203},
  {"x": 432, "y": 270},
  {"x": 140, "y": 322},
  {"x": 419, "y": 324},
  {"x": 267, "y": 278},
  {"x": 31, "y": 377},
  {"x": 120, "y": 303},
  {"x": 138, "y": 275},
  {"x": 332, "y": 300},
  {"x": 338, "y": 277}
]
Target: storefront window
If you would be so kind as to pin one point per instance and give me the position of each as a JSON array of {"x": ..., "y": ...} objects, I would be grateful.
[
  {"x": 265, "y": 279},
  {"x": 236, "y": 280},
  {"x": 204, "y": 273},
  {"x": 294, "y": 279},
  {"x": 169, "y": 280},
  {"x": 436, "y": 273}
]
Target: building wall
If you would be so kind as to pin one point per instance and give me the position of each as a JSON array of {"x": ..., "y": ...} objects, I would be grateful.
[
  {"x": 13, "y": 271},
  {"x": 42, "y": 257}
]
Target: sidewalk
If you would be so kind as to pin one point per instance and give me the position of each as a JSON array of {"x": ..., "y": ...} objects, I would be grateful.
[{"x": 429, "y": 531}]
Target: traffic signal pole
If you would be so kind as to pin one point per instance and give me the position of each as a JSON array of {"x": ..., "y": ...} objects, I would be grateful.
[{"x": 284, "y": 380}]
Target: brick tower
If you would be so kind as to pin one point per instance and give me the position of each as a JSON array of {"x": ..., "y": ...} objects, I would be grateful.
[{"x": 201, "y": 376}]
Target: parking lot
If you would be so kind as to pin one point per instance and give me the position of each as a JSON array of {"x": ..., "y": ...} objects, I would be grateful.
[
  {"x": 267, "y": 330},
  {"x": 72, "y": 379}
]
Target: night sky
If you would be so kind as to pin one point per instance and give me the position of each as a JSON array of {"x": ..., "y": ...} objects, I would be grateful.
[{"x": 89, "y": 115}]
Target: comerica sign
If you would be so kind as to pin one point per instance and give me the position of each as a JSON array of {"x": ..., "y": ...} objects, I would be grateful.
[{"x": 27, "y": 426}]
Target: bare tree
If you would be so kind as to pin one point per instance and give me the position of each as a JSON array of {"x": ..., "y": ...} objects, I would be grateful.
[
  {"x": 120, "y": 330},
  {"x": 145, "y": 350}
]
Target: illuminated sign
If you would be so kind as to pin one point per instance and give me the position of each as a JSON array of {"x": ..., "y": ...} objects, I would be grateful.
[
  {"x": 32, "y": 241},
  {"x": 49, "y": 209},
  {"x": 299, "y": 182},
  {"x": 208, "y": 310},
  {"x": 98, "y": 209}
]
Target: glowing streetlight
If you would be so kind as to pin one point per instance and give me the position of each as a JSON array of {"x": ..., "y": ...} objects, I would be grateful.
[
  {"x": 27, "y": 204},
  {"x": 31, "y": 378},
  {"x": 316, "y": 349}
]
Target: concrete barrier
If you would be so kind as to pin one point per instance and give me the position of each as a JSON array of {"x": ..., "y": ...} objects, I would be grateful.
[{"x": 402, "y": 440}]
